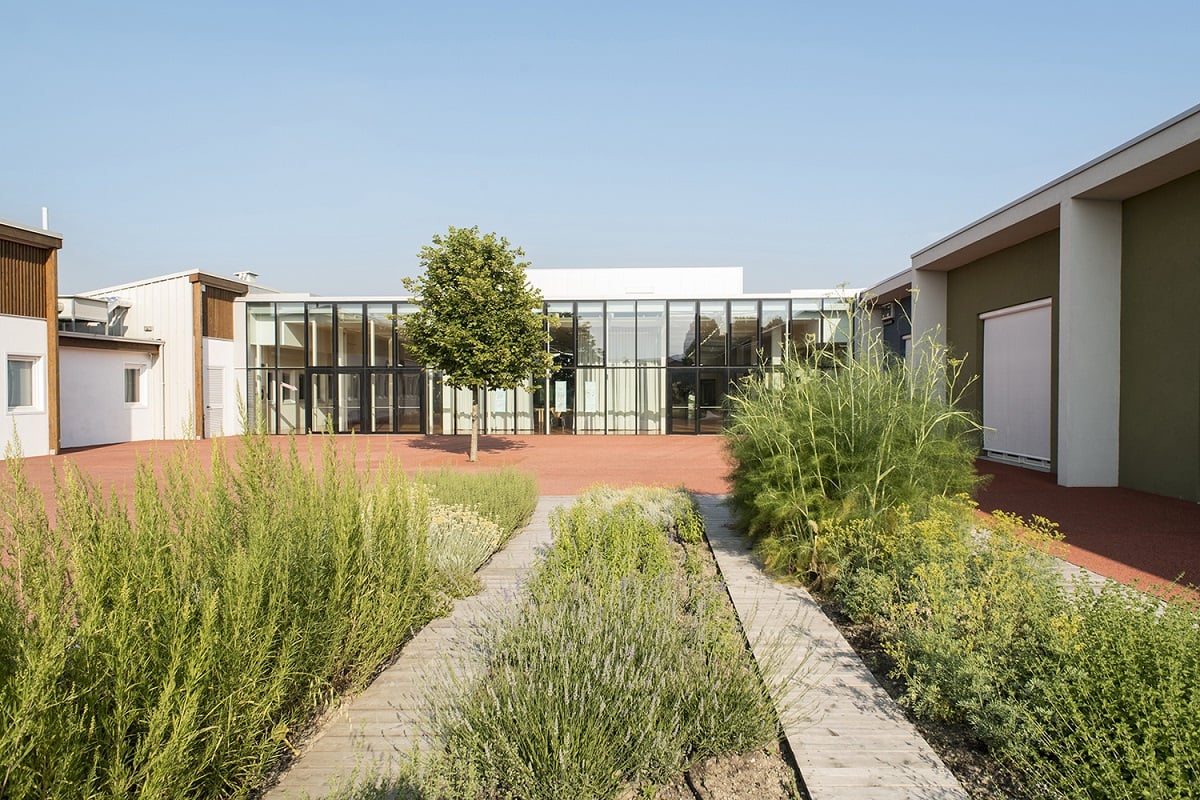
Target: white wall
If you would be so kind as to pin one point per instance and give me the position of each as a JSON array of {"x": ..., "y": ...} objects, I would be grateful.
[
  {"x": 22, "y": 336},
  {"x": 92, "y": 397},
  {"x": 162, "y": 309},
  {"x": 644, "y": 282},
  {"x": 221, "y": 354}
]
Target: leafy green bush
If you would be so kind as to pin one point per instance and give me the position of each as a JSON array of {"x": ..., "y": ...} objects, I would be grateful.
[
  {"x": 619, "y": 665},
  {"x": 1113, "y": 710},
  {"x": 506, "y": 496},
  {"x": 822, "y": 440},
  {"x": 174, "y": 650}
]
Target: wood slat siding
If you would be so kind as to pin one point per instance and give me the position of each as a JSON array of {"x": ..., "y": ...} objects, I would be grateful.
[
  {"x": 218, "y": 312},
  {"x": 23, "y": 280}
]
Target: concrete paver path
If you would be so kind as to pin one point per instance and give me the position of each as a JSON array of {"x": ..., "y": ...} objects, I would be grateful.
[{"x": 850, "y": 739}]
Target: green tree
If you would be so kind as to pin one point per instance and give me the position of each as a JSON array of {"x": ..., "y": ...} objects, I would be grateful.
[{"x": 477, "y": 319}]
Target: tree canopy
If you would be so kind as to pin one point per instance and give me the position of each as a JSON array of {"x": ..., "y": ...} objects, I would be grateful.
[{"x": 477, "y": 319}]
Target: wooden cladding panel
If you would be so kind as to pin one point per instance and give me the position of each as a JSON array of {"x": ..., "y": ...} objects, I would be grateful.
[
  {"x": 218, "y": 312},
  {"x": 22, "y": 280}
]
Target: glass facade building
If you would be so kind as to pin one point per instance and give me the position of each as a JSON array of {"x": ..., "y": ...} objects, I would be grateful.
[{"x": 623, "y": 366}]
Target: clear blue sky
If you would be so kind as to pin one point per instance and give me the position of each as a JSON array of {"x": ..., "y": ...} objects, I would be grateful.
[{"x": 321, "y": 144}]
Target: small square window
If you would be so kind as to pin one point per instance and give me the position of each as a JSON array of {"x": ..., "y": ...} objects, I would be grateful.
[
  {"x": 133, "y": 385},
  {"x": 22, "y": 388}
]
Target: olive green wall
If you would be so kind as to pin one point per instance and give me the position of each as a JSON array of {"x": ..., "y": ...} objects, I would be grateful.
[
  {"x": 1160, "y": 332},
  {"x": 1020, "y": 274}
]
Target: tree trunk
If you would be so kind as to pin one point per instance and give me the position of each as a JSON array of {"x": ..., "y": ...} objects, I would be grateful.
[{"x": 474, "y": 454}]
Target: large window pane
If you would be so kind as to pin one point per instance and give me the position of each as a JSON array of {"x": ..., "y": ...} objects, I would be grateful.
[
  {"x": 681, "y": 340},
  {"x": 322, "y": 402},
  {"x": 408, "y": 419},
  {"x": 714, "y": 383},
  {"x": 501, "y": 411},
  {"x": 743, "y": 333},
  {"x": 622, "y": 400},
  {"x": 622, "y": 334},
  {"x": 774, "y": 330},
  {"x": 404, "y": 355},
  {"x": 589, "y": 400},
  {"x": 805, "y": 330},
  {"x": 260, "y": 400},
  {"x": 714, "y": 327},
  {"x": 836, "y": 322},
  {"x": 349, "y": 402},
  {"x": 681, "y": 385},
  {"x": 292, "y": 406},
  {"x": 560, "y": 321},
  {"x": 350, "y": 335},
  {"x": 379, "y": 335},
  {"x": 290, "y": 334},
  {"x": 260, "y": 335},
  {"x": 651, "y": 332},
  {"x": 320, "y": 335},
  {"x": 562, "y": 401},
  {"x": 382, "y": 403},
  {"x": 652, "y": 400},
  {"x": 589, "y": 333}
]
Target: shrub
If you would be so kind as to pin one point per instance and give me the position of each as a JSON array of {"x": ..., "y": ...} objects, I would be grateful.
[
  {"x": 506, "y": 496},
  {"x": 821, "y": 440},
  {"x": 460, "y": 541}
]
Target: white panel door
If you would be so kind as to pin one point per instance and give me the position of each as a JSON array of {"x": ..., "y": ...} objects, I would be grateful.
[
  {"x": 214, "y": 403},
  {"x": 1016, "y": 384}
]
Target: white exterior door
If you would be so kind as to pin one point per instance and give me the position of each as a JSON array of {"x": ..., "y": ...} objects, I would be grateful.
[
  {"x": 214, "y": 403},
  {"x": 1016, "y": 383}
]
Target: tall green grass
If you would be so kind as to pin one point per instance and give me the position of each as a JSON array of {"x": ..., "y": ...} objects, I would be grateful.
[
  {"x": 505, "y": 496},
  {"x": 824, "y": 439},
  {"x": 179, "y": 648},
  {"x": 623, "y": 663}
]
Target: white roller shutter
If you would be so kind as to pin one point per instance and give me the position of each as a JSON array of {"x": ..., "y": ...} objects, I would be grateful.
[{"x": 1016, "y": 384}]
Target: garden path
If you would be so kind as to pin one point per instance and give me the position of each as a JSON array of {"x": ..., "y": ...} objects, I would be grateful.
[
  {"x": 375, "y": 731},
  {"x": 849, "y": 738}
]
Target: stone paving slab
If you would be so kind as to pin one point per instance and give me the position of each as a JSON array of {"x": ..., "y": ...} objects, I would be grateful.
[
  {"x": 388, "y": 721},
  {"x": 850, "y": 739}
]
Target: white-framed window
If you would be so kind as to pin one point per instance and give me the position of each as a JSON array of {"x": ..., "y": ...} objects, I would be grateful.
[
  {"x": 135, "y": 377},
  {"x": 24, "y": 385}
]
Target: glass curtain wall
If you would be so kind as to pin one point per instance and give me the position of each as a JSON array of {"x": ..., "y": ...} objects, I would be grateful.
[{"x": 624, "y": 366}]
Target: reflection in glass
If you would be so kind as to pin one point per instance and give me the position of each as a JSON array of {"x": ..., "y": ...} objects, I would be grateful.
[
  {"x": 379, "y": 335},
  {"x": 322, "y": 403},
  {"x": 382, "y": 403},
  {"x": 349, "y": 402},
  {"x": 651, "y": 332},
  {"x": 404, "y": 355},
  {"x": 291, "y": 400},
  {"x": 589, "y": 333},
  {"x": 805, "y": 332},
  {"x": 320, "y": 335},
  {"x": 260, "y": 335},
  {"x": 260, "y": 403},
  {"x": 501, "y": 411},
  {"x": 836, "y": 322},
  {"x": 524, "y": 410},
  {"x": 537, "y": 401},
  {"x": 743, "y": 333},
  {"x": 350, "y": 335},
  {"x": 622, "y": 334},
  {"x": 681, "y": 385},
  {"x": 714, "y": 326},
  {"x": 560, "y": 320},
  {"x": 290, "y": 333},
  {"x": 408, "y": 401},
  {"x": 681, "y": 340},
  {"x": 711, "y": 392},
  {"x": 774, "y": 330},
  {"x": 439, "y": 410}
]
